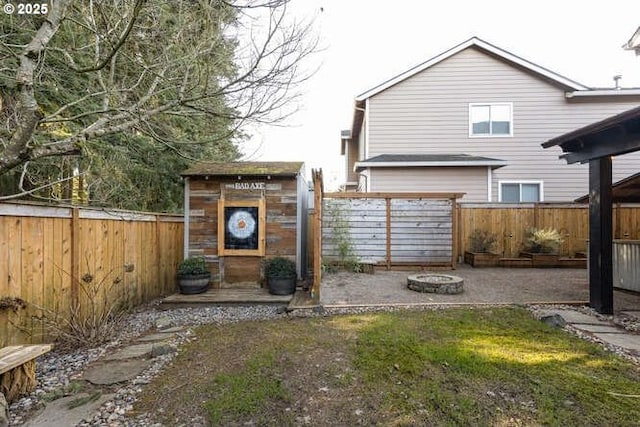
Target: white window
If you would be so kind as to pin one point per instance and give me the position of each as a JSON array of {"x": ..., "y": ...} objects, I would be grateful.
[
  {"x": 520, "y": 191},
  {"x": 491, "y": 119}
]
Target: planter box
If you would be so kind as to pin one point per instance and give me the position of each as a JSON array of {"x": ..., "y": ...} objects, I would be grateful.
[
  {"x": 516, "y": 262},
  {"x": 481, "y": 259},
  {"x": 573, "y": 262},
  {"x": 542, "y": 260}
]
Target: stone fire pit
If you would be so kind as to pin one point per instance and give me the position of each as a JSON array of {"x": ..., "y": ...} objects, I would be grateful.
[{"x": 435, "y": 283}]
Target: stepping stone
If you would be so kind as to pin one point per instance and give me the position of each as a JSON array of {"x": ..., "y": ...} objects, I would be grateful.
[
  {"x": 132, "y": 352},
  {"x": 628, "y": 341},
  {"x": 156, "y": 337},
  {"x": 58, "y": 413},
  {"x": 173, "y": 329},
  {"x": 571, "y": 316},
  {"x": 115, "y": 372},
  {"x": 599, "y": 328},
  {"x": 631, "y": 313}
]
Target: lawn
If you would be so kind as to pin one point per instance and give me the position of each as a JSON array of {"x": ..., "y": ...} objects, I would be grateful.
[{"x": 495, "y": 366}]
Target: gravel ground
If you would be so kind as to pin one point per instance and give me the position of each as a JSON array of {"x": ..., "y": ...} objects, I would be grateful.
[{"x": 56, "y": 370}]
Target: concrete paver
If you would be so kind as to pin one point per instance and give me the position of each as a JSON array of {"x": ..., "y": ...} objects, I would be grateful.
[
  {"x": 625, "y": 340},
  {"x": 598, "y": 328},
  {"x": 572, "y": 316}
]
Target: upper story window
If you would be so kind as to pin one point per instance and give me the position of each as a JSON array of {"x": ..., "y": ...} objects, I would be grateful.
[{"x": 491, "y": 119}]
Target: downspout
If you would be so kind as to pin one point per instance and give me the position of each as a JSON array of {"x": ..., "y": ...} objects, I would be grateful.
[{"x": 489, "y": 184}]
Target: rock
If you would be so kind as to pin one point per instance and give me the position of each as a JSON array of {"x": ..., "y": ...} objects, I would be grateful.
[
  {"x": 163, "y": 323},
  {"x": 4, "y": 411},
  {"x": 162, "y": 348},
  {"x": 554, "y": 320},
  {"x": 281, "y": 310},
  {"x": 318, "y": 309}
]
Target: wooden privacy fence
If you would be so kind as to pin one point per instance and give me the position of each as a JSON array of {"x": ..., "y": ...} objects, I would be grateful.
[
  {"x": 509, "y": 222},
  {"x": 48, "y": 253},
  {"x": 390, "y": 228}
]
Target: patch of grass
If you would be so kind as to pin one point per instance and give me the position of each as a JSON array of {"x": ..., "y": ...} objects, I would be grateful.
[
  {"x": 248, "y": 391},
  {"x": 482, "y": 367},
  {"x": 471, "y": 366},
  {"x": 74, "y": 387}
]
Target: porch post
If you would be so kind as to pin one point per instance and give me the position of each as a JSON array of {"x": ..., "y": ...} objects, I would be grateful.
[{"x": 600, "y": 236}]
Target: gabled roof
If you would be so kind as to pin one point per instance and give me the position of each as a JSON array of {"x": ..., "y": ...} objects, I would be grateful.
[
  {"x": 495, "y": 51},
  {"x": 634, "y": 42},
  {"x": 428, "y": 160},
  {"x": 564, "y": 83},
  {"x": 244, "y": 168}
]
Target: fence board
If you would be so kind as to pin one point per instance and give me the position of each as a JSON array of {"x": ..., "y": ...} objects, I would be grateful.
[
  {"x": 510, "y": 223},
  {"x": 37, "y": 260},
  {"x": 389, "y": 228}
]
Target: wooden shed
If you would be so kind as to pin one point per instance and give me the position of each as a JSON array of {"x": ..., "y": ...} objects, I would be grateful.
[{"x": 239, "y": 213}]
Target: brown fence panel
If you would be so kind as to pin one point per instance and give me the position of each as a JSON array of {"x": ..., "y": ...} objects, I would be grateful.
[
  {"x": 48, "y": 255},
  {"x": 510, "y": 223}
]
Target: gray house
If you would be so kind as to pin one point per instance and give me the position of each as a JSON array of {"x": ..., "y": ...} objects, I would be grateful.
[{"x": 472, "y": 120}]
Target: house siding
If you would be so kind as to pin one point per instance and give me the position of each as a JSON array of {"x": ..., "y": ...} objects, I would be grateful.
[
  {"x": 470, "y": 180},
  {"x": 428, "y": 113}
]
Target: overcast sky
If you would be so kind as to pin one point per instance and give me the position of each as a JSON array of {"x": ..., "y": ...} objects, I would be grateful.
[{"x": 369, "y": 41}]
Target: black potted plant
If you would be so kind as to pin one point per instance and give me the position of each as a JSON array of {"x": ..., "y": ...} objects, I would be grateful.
[
  {"x": 281, "y": 276},
  {"x": 193, "y": 276}
]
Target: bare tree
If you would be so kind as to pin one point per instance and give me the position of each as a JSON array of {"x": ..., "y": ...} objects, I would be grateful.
[{"x": 136, "y": 67}]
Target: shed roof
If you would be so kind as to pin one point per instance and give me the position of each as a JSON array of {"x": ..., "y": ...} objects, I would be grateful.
[{"x": 244, "y": 168}]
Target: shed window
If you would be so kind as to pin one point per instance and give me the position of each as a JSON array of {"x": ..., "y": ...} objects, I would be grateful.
[
  {"x": 490, "y": 119},
  {"x": 517, "y": 192}
]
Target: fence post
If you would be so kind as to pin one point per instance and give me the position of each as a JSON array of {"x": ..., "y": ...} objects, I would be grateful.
[
  {"x": 75, "y": 254},
  {"x": 317, "y": 234},
  {"x": 388, "y": 206}
]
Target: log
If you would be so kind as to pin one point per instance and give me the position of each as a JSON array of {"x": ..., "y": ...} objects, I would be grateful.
[{"x": 18, "y": 381}]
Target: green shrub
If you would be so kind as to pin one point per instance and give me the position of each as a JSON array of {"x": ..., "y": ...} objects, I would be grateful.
[
  {"x": 192, "y": 266},
  {"x": 280, "y": 267},
  {"x": 543, "y": 240}
]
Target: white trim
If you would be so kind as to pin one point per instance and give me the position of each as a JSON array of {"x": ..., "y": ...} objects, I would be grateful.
[
  {"x": 634, "y": 42},
  {"x": 602, "y": 92},
  {"x": 366, "y": 130},
  {"x": 441, "y": 163},
  {"x": 491, "y": 135},
  {"x": 187, "y": 214},
  {"x": 474, "y": 41},
  {"x": 523, "y": 181},
  {"x": 489, "y": 184}
]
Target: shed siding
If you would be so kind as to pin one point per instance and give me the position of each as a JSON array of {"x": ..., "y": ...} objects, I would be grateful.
[
  {"x": 472, "y": 181},
  {"x": 429, "y": 113},
  {"x": 282, "y": 222}
]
